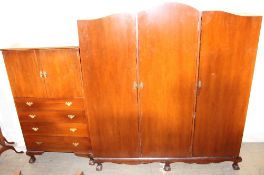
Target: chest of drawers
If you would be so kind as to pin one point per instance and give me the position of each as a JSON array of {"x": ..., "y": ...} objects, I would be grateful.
[{"x": 47, "y": 89}]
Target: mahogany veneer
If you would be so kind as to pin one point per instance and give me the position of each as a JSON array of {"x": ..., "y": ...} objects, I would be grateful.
[{"x": 169, "y": 84}]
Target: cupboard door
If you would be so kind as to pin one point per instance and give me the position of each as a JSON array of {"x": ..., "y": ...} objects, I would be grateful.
[
  {"x": 23, "y": 71},
  {"x": 227, "y": 58},
  {"x": 108, "y": 57},
  {"x": 168, "y": 51},
  {"x": 63, "y": 72}
]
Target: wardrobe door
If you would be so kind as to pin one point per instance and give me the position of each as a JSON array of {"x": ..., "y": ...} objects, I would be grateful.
[
  {"x": 227, "y": 58},
  {"x": 63, "y": 72},
  {"x": 108, "y": 58},
  {"x": 23, "y": 71},
  {"x": 168, "y": 51}
]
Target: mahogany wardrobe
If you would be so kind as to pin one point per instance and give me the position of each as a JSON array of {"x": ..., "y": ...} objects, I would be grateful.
[{"x": 170, "y": 84}]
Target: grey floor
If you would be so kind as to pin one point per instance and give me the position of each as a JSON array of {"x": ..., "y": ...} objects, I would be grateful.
[{"x": 68, "y": 164}]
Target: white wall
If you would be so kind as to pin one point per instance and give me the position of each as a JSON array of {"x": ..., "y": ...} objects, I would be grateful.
[{"x": 51, "y": 23}]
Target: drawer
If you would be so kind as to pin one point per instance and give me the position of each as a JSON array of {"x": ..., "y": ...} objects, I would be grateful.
[
  {"x": 58, "y": 144},
  {"x": 52, "y": 116},
  {"x": 49, "y": 104},
  {"x": 54, "y": 129}
]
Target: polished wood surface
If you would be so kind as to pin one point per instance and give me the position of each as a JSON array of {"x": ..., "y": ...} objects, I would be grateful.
[
  {"x": 49, "y": 104},
  {"x": 168, "y": 51},
  {"x": 54, "y": 129},
  {"x": 108, "y": 58},
  {"x": 70, "y": 116},
  {"x": 65, "y": 144},
  {"x": 63, "y": 72},
  {"x": 23, "y": 71},
  {"x": 228, "y": 51}
]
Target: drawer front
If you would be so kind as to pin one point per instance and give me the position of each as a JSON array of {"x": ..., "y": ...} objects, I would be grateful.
[
  {"x": 28, "y": 104},
  {"x": 52, "y": 116},
  {"x": 58, "y": 144},
  {"x": 54, "y": 129}
]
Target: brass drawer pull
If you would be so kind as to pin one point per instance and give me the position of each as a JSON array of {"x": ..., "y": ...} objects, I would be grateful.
[
  {"x": 35, "y": 129},
  {"x": 71, "y": 116},
  {"x": 29, "y": 103},
  {"x": 68, "y": 103},
  {"x": 73, "y": 129},
  {"x": 32, "y": 116},
  {"x": 38, "y": 143},
  {"x": 75, "y": 144}
]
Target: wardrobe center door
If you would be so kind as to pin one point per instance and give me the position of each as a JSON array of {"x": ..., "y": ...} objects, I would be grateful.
[
  {"x": 227, "y": 58},
  {"x": 108, "y": 58},
  {"x": 168, "y": 51},
  {"x": 23, "y": 71},
  {"x": 63, "y": 72}
]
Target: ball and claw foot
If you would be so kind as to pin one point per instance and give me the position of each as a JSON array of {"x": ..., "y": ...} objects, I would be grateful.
[
  {"x": 99, "y": 167},
  {"x": 167, "y": 167},
  {"x": 91, "y": 161},
  {"x": 235, "y": 166},
  {"x": 32, "y": 159}
]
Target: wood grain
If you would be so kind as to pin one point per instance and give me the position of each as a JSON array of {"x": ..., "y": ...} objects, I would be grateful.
[
  {"x": 49, "y": 104},
  {"x": 228, "y": 51},
  {"x": 63, "y": 72},
  {"x": 69, "y": 116},
  {"x": 65, "y": 144},
  {"x": 23, "y": 71},
  {"x": 168, "y": 51},
  {"x": 54, "y": 129},
  {"x": 108, "y": 58}
]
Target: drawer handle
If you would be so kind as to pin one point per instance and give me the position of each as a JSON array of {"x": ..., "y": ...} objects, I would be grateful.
[
  {"x": 71, "y": 116},
  {"x": 38, "y": 143},
  {"x": 68, "y": 103},
  {"x": 75, "y": 144},
  {"x": 73, "y": 129},
  {"x": 35, "y": 129},
  {"x": 32, "y": 116},
  {"x": 29, "y": 103}
]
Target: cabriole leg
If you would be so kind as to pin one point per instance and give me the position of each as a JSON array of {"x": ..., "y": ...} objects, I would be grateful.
[
  {"x": 167, "y": 167},
  {"x": 235, "y": 166},
  {"x": 32, "y": 159},
  {"x": 99, "y": 167},
  {"x": 91, "y": 161}
]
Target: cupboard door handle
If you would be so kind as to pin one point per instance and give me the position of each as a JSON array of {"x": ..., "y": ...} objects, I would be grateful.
[
  {"x": 68, "y": 103},
  {"x": 73, "y": 129},
  {"x": 35, "y": 129},
  {"x": 71, "y": 116},
  {"x": 138, "y": 85},
  {"x": 32, "y": 116},
  {"x": 29, "y": 103},
  {"x": 43, "y": 74},
  {"x": 199, "y": 87},
  {"x": 75, "y": 144},
  {"x": 38, "y": 143}
]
